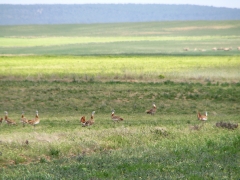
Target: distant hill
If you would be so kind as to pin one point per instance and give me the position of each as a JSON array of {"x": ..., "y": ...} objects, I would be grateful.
[{"x": 110, "y": 13}]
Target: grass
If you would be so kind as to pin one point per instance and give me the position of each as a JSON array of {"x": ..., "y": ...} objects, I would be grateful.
[
  {"x": 167, "y": 28},
  {"x": 159, "y": 38},
  {"x": 120, "y": 150},
  {"x": 124, "y": 151},
  {"x": 58, "y": 41},
  {"x": 125, "y": 67},
  {"x": 121, "y": 68}
]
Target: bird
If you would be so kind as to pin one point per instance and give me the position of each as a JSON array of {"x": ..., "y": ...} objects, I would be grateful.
[
  {"x": 26, "y": 142},
  {"x": 1, "y": 120},
  {"x": 89, "y": 122},
  {"x": 34, "y": 121},
  {"x": 23, "y": 119},
  {"x": 202, "y": 117},
  {"x": 9, "y": 121},
  {"x": 83, "y": 121},
  {"x": 116, "y": 118},
  {"x": 153, "y": 110}
]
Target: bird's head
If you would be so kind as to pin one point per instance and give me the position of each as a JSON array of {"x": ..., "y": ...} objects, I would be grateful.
[{"x": 113, "y": 111}]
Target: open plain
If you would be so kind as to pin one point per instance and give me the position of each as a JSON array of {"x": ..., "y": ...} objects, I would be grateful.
[{"x": 67, "y": 71}]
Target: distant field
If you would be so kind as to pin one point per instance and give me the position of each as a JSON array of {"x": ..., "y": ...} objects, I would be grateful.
[
  {"x": 54, "y": 41},
  {"x": 121, "y": 68},
  {"x": 156, "y": 38}
]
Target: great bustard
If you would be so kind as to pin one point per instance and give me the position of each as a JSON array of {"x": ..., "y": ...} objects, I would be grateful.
[
  {"x": 34, "y": 121},
  {"x": 153, "y": 110},
  {"x": 23, "y": 119},
  {"x": 202, "y": 117},
  {"x": 9, "y": 121},
  {"x": 89, "y": 122},
  {"x": 116, "y": 118}
]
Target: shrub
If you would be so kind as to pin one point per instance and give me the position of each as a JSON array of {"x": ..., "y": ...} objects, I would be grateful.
[
  {"x": 54, "y": 152},
  {"x": 161, "y": 76}
]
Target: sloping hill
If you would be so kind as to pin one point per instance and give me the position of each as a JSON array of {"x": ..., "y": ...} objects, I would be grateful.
[{"x": 110, "y": 13}]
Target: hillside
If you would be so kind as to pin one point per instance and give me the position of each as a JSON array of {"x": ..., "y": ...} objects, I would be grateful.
[{"x": 110, "y": 13}]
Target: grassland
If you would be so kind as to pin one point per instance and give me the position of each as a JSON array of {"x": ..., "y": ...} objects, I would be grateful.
[
  {"x": 120, "y": 66},
  {"x": 59, "y": 146},
  {"x": 159, "y": 38}
]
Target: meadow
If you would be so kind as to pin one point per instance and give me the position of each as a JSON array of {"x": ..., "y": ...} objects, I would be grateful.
[
  {"x": 44, "y": 68},
  {"x": 154, "y": 38}
]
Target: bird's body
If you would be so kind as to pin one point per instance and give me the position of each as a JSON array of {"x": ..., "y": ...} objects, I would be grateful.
[
  {"x": 7, "y": 120},
  {"x": 153, "y": 110},
  {"x": 23, "y": 119},
  {"x": 34, "y": 121},
  {"x": 202, "y": 117},
  {"x": 116, "y": 118},
  {"x": 89, "y": 122}
]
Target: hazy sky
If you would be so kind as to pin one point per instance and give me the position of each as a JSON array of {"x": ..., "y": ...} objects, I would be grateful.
[{"x": 216, "y": 3}]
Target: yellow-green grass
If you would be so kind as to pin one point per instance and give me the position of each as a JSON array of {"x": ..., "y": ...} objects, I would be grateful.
[
  {"x": 53, "y": 41},
  {"x": 143, "y": 45},
  {"x": 135, "y": 68}
]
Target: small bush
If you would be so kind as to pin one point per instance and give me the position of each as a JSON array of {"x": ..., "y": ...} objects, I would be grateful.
[
  {"x": 54, "y": 152},
  {"x": 42, "y": 160},
  {"x": 168, "y": 82},
  {"x": 161, "y": 76},
  {"x": 225, "y": 84},
  {"x": 160, "y": 131}
]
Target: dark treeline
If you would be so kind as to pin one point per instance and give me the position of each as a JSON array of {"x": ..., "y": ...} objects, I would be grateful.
[{"x": 110, "y": 13}]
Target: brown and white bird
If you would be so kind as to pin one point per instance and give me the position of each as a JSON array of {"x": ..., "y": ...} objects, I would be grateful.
[
  {"x": 83, "y": 121},
  {"x": 23, "y": 119},
  {"x": 116, "y": 118},
  {"x": 34, "y": 121},
  {"x": 202, "y": 117},
  {"x": 153, "y": 110},
  {"x": 89, "y": 122},
  {"x": 7, "y": 120}
]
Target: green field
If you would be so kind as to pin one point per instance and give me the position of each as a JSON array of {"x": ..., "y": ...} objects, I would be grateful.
[
  {"x": 159, "y": 38},
  {"x": 121, "y": 68},
  {"x": 67, "y": 71}
]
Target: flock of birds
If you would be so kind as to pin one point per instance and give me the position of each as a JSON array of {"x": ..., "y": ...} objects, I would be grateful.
[
  {"x": 214, "y": 49},
  {"x": 23, "y": 120},
  {"x": 113, "y": 117},
  {"x": 83, "y": 120}
]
